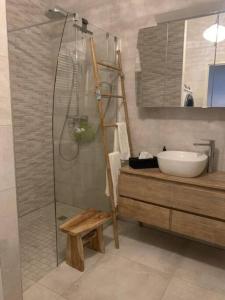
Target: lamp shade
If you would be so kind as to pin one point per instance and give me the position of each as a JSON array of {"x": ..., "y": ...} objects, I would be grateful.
[{"x": 215, "y": 33}]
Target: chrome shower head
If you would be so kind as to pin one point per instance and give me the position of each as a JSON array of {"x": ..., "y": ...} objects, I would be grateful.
[{"x": 56, "y": 13}]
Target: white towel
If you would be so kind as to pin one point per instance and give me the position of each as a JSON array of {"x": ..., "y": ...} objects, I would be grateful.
[
  {"x": 115, "y": 165},
  {"x": 121, "y": 143}
]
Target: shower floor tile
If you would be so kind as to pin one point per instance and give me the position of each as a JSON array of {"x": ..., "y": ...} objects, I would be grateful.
[{"x": 38, "y": 244}]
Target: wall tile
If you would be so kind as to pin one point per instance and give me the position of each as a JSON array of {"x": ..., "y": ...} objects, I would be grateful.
[
  {"x": 5, "y": 110},
  {"x": 31, "y": 74},
  {"x": 26, "y": 12},
  {"x": 7, "y": 171},
  {"x": 9, "y": 244},
  {"x": 3, "y": 35},
  {"x": 10, "y": 279},
  {"x": 4, "y": 76},
  {"x": 5, "y": 104}
]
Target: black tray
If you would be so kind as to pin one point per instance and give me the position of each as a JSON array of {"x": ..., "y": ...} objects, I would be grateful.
[{"x": 136, "y": 163}]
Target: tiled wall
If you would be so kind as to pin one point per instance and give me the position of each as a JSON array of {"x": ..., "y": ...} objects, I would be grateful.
[
  {"x": 31, "y": 74},
  {"x": 152, "y": 128},
  {"x": 10, "y": 285},
  {"x": 24, "y": 13}
]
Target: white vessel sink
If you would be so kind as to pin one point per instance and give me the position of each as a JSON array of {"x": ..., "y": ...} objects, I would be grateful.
[{"x": 181, "y": 163}]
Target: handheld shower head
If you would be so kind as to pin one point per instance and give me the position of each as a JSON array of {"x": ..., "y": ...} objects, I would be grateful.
[{"x": 56, "y": 13}]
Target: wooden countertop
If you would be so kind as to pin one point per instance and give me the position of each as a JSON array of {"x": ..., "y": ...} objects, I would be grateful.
[{"x": 214, "y": 180}]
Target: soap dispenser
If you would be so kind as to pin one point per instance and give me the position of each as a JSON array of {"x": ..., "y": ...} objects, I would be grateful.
[{"x": 164, "y": 148}]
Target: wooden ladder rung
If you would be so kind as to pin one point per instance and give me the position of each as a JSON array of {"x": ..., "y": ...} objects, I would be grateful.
[
  {"x": 109, "y": 66},
  {"x": 112, "y": 96}
]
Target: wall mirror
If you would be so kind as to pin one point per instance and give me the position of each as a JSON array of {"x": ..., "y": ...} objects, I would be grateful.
[{"x": 182, "y": 63}]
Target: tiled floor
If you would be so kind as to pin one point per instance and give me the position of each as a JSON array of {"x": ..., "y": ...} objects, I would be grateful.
[
  {"x": 149, "y": 265},
  {"x": 38, "y": 244},
  {"x": 38, "y": 241}
]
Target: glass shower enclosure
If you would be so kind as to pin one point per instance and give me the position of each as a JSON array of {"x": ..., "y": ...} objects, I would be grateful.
[
  {"x": 60, "y": 168},
  {"x": 78, "y": 152}
]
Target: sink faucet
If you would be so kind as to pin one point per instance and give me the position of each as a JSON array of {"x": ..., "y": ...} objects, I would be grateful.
[{"x": 211, "y": 153}]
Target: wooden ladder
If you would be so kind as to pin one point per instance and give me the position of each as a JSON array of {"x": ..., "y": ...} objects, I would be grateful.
[{"x": 100, "y": 98}]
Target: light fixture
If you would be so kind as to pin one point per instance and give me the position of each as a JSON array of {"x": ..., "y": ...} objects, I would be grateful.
[{"x": 215, "y": 33}]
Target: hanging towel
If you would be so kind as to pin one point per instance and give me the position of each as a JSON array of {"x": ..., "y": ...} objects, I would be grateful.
[
  {"x": 121, "y": 143},
  {"x": 115, "y": 165}
]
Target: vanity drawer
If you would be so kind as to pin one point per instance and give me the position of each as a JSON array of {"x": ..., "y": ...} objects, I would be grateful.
[
  {"x": 199, "y": 200},
  {"x": 144, "y": 212},
  {"x": 145, "y": 189},
  {"x": 201, "y": 228}
]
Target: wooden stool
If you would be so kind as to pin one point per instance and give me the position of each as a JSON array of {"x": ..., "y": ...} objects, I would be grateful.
[{"x": 84, "y": 229}]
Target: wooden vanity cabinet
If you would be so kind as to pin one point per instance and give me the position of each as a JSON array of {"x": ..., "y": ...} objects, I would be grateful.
[
  {"x": 144, "y": 212},
  {"x": 193, "y": 207}
]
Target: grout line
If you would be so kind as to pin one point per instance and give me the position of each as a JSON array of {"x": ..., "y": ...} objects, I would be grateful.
[
  {"x": 37, "y": 284},
  {"x": 202, "y": 286},
  {"x": 163, "y": 294},
  {"x": 9, "y": 189},
  {"x": 88, "y": 270},
  {"x": 139, "y": 263},
  {"x": 34, "y": 210}
]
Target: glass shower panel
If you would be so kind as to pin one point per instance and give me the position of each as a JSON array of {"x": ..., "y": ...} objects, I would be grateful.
[
  {"x": 32, "y": 55},
  {"x": 79, "y": 159},
  {"x": 76, "y": 180}
]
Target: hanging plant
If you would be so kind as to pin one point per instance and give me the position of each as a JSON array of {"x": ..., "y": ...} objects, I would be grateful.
[{"x": 85, "y": 133}]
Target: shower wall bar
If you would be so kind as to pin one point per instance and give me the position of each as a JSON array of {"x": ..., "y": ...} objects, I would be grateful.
[{"x": 55, "y": 18}]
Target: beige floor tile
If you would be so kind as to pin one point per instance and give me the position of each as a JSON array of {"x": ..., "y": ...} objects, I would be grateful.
[
  {"x": 150, "y": 247},
  {"x": 60, "y": 279},
  {"x": 38, "y": 292},
  {"x": 118, "y": 278},
  {"x": 204, "y": 266},
  {"x": 183, "y": 290}
]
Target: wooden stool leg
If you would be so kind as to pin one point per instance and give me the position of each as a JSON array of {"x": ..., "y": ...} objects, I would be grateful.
[
  {"x": 97, "y": 242},
  {"x": 75, "y": 252},
  {"x": 115, "y": 230}
]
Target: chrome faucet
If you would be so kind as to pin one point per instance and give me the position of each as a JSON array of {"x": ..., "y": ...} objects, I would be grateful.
[{"x": 211, "y": 153}]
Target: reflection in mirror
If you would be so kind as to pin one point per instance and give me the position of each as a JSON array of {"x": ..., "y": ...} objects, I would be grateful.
[
  {"x": 182, "y": 63},
  {"x": 216, "y": 94},
  {"x": 199, "y": 55},
  {"x": 159, "y": 65},
  {"x": 174, "y": 63},
  {"x": 150, "y": 68}
]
